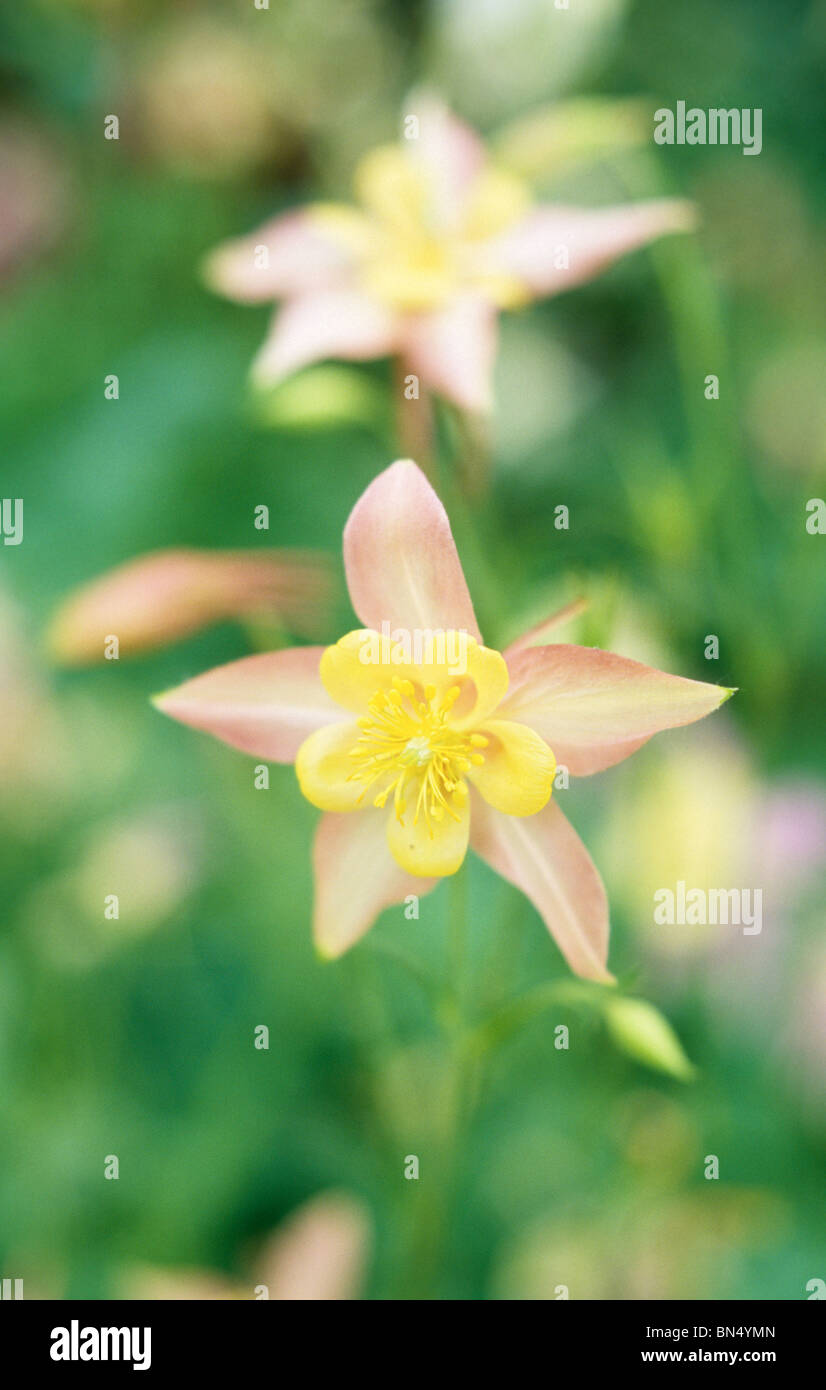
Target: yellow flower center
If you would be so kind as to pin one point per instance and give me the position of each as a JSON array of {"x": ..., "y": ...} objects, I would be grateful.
[
  {"x": 413, "y": 270},
  {"x": 414, "y": 737},
  {"x": 412, "y": 256},
  {"x": 408, "y": 748}
]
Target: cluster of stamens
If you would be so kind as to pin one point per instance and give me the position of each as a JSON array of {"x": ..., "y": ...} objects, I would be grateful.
[{"x": 406, "y": 745}]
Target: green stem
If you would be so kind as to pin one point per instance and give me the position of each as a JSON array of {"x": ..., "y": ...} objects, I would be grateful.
[
  {"x": 510, "y": 1017},
  {"x": 457, "y": 941},
  {"x": 441, "y": 1176}
]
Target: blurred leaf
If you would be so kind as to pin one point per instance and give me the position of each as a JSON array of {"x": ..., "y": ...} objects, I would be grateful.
[
  {"x": 507, "y": 1020},
  {"x": 557, "y": 138},
  {"x": 322, "y": 398}
]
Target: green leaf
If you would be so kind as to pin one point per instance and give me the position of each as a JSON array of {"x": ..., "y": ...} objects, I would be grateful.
[
  {"x": 322, "y": 398},
  {"x": 570, "y": 134}
]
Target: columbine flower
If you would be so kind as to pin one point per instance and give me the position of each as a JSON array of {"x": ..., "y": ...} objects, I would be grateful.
[
  {"x": 410, "y": 761},
  {"x": 441, "y": 242},
  {"x": 171, "y": 594}
]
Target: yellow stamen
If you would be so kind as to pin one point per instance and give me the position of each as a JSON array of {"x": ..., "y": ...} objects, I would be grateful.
[{"x": 407, "y": 743}]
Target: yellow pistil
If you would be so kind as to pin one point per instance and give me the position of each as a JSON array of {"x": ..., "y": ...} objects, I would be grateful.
[{"x": 408, "y": 748}]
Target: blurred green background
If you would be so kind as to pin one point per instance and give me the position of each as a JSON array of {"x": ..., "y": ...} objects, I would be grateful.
[{"x": 579, "y": 1167}]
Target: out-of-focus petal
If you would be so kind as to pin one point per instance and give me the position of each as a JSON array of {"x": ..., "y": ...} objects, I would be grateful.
[
  {"x": 496, "y": 202},
  {"x": 297, "y": 253},
  {"x": 353, "y": 671},
  {"x": 427, "y": 849},
  {"x": 320, "y": 1252},
  {"x": 449, "y": 153},
  {"x": 538, "y": 636},
  {"x": 544, "y": 857},
  {"x": 517, "y": 774},
  {"x": 392, "y": 189},
  {"x": 452, "y": 350},
  {"x": 401, "y": 560},
  {"x": 594, "y": 708},
  {"x": 324, "y": 766},
  {"x": 592, "y": 238},
  {"x": 160, "y": 598},
  {"x": 330, "y": 323},
  {"x": 356, "y": 878},
  {"x": 266, "y": 705}
]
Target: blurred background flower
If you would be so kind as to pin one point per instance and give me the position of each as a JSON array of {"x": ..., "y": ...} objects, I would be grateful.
[
  {"x": 33, "y": 194},
  {"x": 318, "y": 1254},
  {"x": 687, "y": 1247},
  {"x": 160, "y": 598},
  {"x": 237, "y": 130},
  {"x": 438, "y": 241}
]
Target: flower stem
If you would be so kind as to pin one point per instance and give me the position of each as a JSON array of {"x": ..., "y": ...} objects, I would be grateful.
[
  {"x": 459, "y": 1091},
  {"x": 457, "y": 941},
  {"x": 415, "y": 425}
]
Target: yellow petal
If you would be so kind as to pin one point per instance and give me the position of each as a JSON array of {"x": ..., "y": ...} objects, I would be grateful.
[
  {"x": 483, "y": 687},
  {"x": 323, "y": 765},
  {"x": 364, "y": 661},
  {"x": 348, "y": 672},
  {"x": 389, "y": 186},
  {"x": 517, "y": 774},
  {"x": 429, "y": 852},
  {"x": 411, "y": 275},
  {"x": 497, "y": 199}
]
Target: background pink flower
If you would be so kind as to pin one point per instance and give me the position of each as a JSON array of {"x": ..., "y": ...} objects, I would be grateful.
[{"x": 441, "y": 241}]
